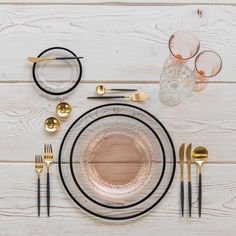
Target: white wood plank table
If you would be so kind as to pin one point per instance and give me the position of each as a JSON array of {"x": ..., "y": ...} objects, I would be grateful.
[{"x": 123, "y": 42}]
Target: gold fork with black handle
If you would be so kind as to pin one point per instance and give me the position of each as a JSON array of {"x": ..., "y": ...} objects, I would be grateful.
[
  {"x": 38, "y": 169},
  {"x": 48, "y": 159}
]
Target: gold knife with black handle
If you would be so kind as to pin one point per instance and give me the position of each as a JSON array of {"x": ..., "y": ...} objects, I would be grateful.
[
  {"x": 189, "y": 161},
  {"x": 181, "y": 159}
]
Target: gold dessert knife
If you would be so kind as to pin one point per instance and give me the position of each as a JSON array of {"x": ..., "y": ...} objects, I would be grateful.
[
  {"x": 181, "y": 158},
  {"x": 41, "y": 59},
  {"x": 189, "y": 161}
]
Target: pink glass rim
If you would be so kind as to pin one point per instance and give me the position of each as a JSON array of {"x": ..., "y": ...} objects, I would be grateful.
[
  {"x": 208, "y": 76},
  {"x": 183, "y": 59}
]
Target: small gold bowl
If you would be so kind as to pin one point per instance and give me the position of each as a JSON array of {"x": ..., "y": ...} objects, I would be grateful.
[
  {"x": 63, "y": 110},
  {"x": 51, "y": 124}
]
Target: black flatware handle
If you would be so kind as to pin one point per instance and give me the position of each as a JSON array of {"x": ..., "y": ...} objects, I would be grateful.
[
  {"x": 190, "y": 198},
  {"x": 48, "y": 194},
  {"x": 200, "y": 196},
  {"x": 67, "y": 58},
  {"x": 105, "y": 97},
  {"x": 182, "y": 197},
  {"x": 123, "y": 89},
  {"x": 38, "y": 197}
]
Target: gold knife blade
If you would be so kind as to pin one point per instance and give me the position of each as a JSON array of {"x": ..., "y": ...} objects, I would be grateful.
[
  {"x": 181, "y": 158},
  {"x": 189, "y": 160}
]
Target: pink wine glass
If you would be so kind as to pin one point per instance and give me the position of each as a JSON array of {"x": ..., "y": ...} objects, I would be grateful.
[
  {"x": 207, "y": 65},
  {"x": 183, "y": 45}
]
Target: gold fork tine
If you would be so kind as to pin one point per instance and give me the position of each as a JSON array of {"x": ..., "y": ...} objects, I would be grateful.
[
  {"x": 47, "y": 149},
  {"x": 36, "y": 161},
  {"x": 50, "y": 147},
  {"x": 41, "y": 161}
]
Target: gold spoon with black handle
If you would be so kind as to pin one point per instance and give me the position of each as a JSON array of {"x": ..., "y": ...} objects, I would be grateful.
[
  {"x": 200, "y": 155},
  {"x": 101, "y": 89}
]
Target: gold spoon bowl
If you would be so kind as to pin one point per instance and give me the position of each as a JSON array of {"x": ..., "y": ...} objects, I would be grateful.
[
  {"x": 100, "y": 89},
  {"x": 200, "y": 155},
  {"x": 63, "y": 109},
  {"x": 51, "y": 124}
]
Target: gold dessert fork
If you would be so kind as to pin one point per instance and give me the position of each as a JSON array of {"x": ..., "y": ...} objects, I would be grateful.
[
  {"x": 48, "y": 159},
  {"x": 38, "y": 169},
  {"x": 135, "y": 97}
]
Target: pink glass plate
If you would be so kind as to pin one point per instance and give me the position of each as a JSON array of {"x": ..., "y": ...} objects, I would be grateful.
[{"x": 115, "y": 161}]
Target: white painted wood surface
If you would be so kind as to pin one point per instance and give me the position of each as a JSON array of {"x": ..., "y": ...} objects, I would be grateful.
[
  {"x": 133, "y": 45},
  {"x": 18, "y": 208},
  {"x": 121, "y": 45},
  {"x": 119, "y": 2}
]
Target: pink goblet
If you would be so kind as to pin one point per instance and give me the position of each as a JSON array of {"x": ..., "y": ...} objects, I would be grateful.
[{"x": 207, "y": 65}]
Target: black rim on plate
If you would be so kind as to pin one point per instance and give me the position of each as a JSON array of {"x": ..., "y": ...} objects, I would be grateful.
[
  {"x": 63, "y": 92},
  {"x": 92, "y": 199},
  {"x": 110, "y": 217}
]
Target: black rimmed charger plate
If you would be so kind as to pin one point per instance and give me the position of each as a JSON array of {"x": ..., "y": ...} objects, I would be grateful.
[{"x": 72, "y": 188}]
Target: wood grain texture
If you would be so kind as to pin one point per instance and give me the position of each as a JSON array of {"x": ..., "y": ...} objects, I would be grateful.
[
  {"x": 125, "y": 46},
  {"x": 18, "y": 212},
  {"x": 131, "y": 47},
  {"x": 118, "y": 2},
  {"x": 206, "y": 118}
]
